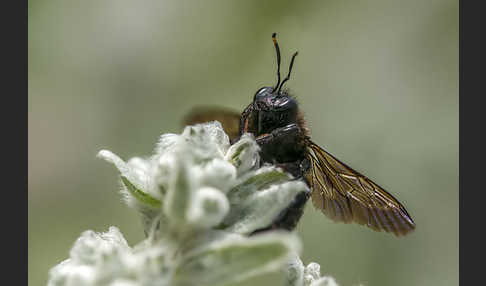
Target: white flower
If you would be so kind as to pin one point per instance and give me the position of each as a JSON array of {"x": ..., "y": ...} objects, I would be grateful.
[
  {"x": 193, "y": 178},
  {"x": 199, "y": 198},
  {"x": 299, "y": 275}
]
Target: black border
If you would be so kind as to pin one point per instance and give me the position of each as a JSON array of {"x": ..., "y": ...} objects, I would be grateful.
[
  {"x": 14, "y": 136},
  {"x": 471, "y": 141}
]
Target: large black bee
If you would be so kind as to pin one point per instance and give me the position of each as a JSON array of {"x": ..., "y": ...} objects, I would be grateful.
[{"x": 341, "y": 193}]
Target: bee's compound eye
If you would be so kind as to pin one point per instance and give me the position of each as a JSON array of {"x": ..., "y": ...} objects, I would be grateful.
[
  {"x": 263, "y": 92},
  {"x": 285, "y": 103}
]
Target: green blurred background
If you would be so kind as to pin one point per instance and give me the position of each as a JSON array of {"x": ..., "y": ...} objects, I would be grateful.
[{"x": 377, "y": 80}]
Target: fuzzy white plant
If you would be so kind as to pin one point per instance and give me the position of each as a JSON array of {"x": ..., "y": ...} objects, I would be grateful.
[{"x": 199, "y": 198}]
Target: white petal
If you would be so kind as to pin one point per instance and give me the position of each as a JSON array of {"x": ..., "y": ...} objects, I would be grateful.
[
  {"x": 91, "y": 246},
  {"x": 294, "y": 272},
  {"x": 244, "y": 154},
  {"x": 124, "y": 169},
  {"x": 217, "y": 173},
  {"x": 180, "y": 189},
  {"x": 324, "y": 281},
  {"x": 166, "y": 141},
  {"x": 208, "y": 208},
  {"x": 114, "y": 159},
  {"x": 260, "y": 209}
]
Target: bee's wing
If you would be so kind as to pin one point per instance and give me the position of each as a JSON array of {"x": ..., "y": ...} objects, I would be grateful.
[
  {"x": 229, "y": 119},
  {"x": 345, "y": 195}
]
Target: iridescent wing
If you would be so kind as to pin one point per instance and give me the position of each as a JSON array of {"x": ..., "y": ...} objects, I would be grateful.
[
  {"x": 229, "y": 119},
  {"x": 345, "y": 195}
]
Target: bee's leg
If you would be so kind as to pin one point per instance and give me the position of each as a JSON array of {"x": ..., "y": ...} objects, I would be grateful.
[
  {"x": 285, "y": 144},
  {"x": 291, "y": 167},
  {"x": 278, "y": 134}
]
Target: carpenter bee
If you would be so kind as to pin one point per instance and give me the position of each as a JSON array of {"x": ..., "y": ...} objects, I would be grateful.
[{"x": 341, "y": 193}]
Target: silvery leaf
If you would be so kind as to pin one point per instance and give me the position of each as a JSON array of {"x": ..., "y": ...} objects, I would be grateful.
[{"x": 235, "y": 260}]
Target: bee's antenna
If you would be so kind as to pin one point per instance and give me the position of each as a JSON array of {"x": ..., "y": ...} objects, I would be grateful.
[
  {"x": 274, "y": 39},
  {"x": 290, "y": 70}
]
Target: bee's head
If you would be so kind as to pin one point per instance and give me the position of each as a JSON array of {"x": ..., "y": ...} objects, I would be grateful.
[{"x": 273, "y": 107}]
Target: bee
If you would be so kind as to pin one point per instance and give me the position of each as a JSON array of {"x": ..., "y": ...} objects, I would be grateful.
[{"x": 341, "y": 193}]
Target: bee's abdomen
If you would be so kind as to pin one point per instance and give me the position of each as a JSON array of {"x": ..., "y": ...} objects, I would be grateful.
[{"x": 291, "y": 215}]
